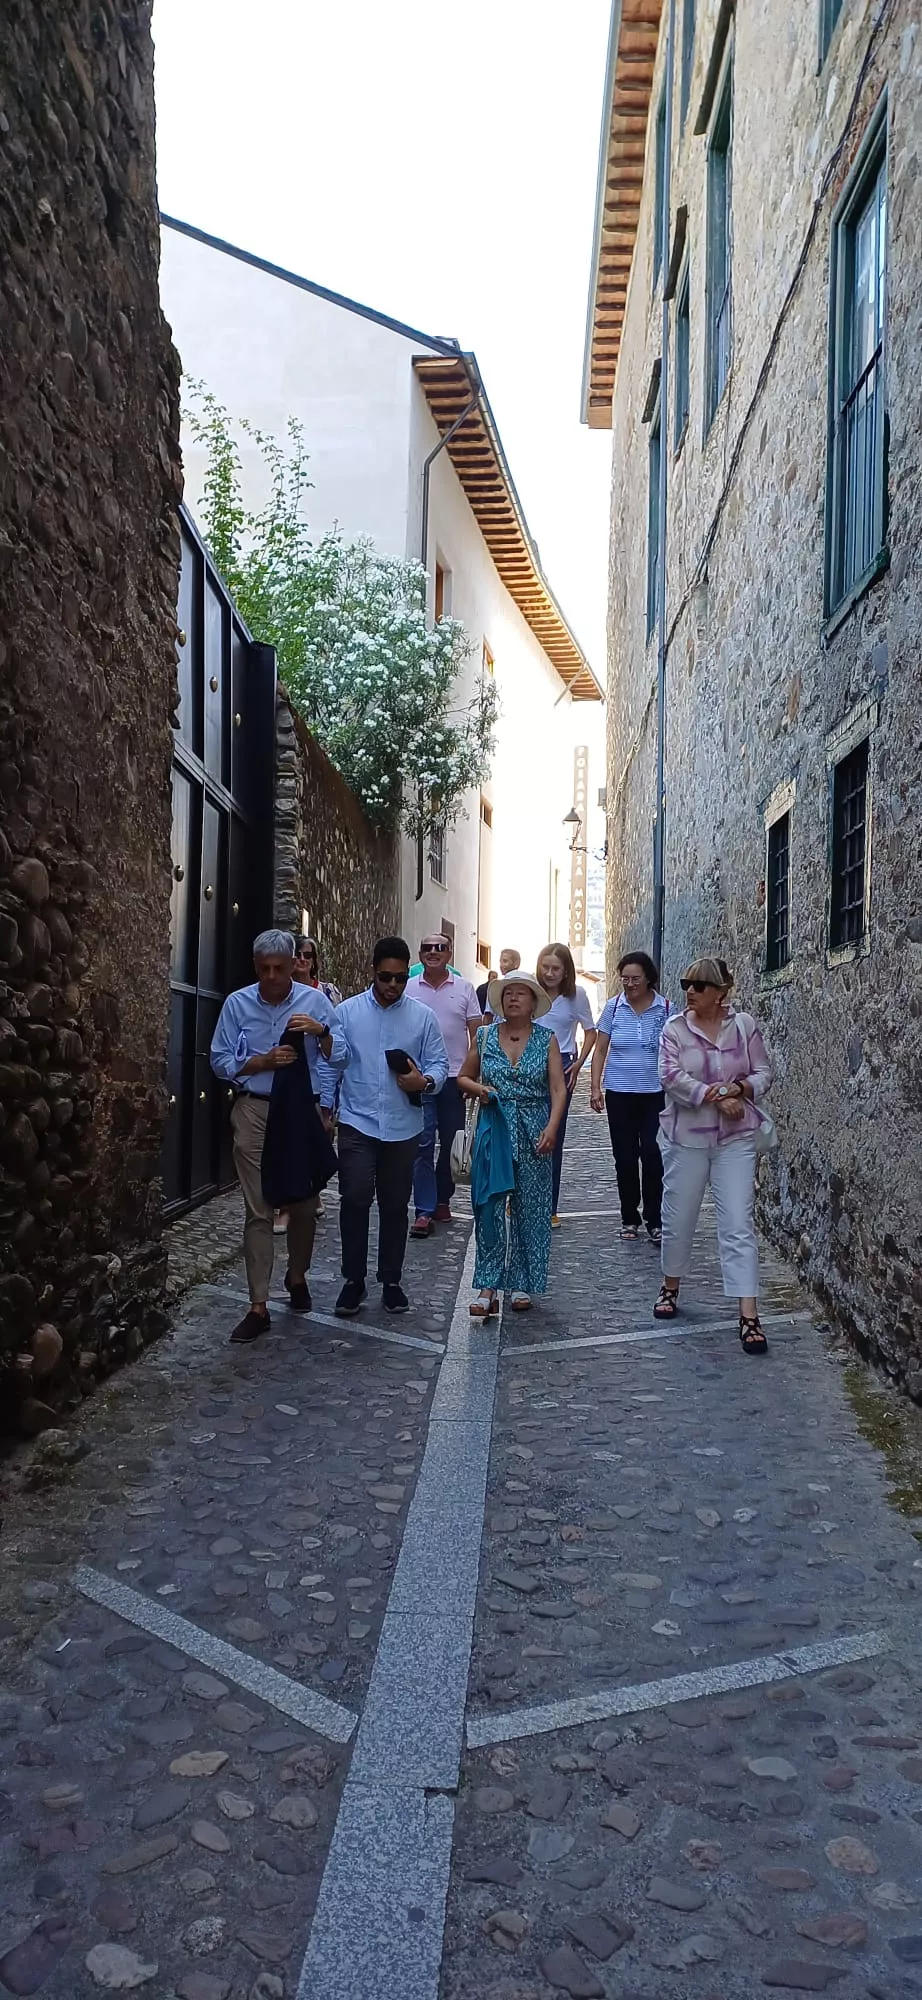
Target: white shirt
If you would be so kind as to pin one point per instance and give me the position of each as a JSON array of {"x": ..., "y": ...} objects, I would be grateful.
[{"x": 564, "y": 1016}]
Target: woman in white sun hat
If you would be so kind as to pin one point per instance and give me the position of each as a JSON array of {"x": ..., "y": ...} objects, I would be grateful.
[{"x": 515, "y": 1066}]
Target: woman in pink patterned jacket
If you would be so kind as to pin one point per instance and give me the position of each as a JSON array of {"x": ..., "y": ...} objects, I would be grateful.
[{"x": 715, "y": 1069}]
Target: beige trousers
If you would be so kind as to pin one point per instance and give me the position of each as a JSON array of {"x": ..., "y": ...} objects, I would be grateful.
[{"x": 248, "y": 1123}]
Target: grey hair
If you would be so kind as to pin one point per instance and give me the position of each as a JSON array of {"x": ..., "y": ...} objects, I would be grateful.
[{"x": 274, "y": 944}]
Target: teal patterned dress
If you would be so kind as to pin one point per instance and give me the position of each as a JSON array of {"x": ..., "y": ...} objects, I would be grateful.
[{"x": 516, "y": 1259}]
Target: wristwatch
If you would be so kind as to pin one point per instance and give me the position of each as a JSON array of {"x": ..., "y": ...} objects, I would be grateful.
[{"x": 430, "y": 1083}]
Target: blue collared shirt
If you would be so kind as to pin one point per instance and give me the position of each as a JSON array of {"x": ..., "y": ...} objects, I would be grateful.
[
  {"x": 248, "y": 1026},
  {"x": 371, "y": 1098}
]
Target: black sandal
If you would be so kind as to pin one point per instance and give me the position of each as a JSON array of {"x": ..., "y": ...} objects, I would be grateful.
[
  {"x": 751, "y": 1335},
  {"x": 667, "y": 1305}
]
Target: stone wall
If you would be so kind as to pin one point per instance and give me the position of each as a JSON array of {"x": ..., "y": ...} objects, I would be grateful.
[
  {"x": 328, "y": 860},
  {"x": 757, "y": 685},
  {"x": 89, "y": 479}
]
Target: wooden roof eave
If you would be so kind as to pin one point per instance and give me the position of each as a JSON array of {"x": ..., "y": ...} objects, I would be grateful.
[
  {"x": 477, "y": 455},
  {"x": 632, "y": 48}
]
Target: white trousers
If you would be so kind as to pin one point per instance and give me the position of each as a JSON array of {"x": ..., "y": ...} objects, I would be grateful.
[{"x": 729, "y": 1170}]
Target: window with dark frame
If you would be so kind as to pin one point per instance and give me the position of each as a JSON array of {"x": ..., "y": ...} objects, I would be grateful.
[
  {"x": 829, "y": 14},
  {"x": 848, "y": 901},
  {"x": 682, "y": 358},
  {"x": 688, "y": 55},
  {"x": 778, "y": 894},
  {"x": 654, "y": 450},
  {"x": 857, "y": 509},
  {"x": 437, "y": 852},
  {"x": 719, "y": 250},
  {"x": 659, "y": 141}
]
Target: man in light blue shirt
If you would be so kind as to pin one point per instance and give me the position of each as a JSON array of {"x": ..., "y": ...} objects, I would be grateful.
[
  {"x": 381, "y": 1118},
  {"x": 246, "y": 1052}
]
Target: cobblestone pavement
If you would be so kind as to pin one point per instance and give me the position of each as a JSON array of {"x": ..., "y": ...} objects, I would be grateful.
[{"x": 176, "y": 1733}]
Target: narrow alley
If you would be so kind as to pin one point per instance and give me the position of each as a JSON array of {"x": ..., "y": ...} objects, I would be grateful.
[{"x": 437, "y": 1663}]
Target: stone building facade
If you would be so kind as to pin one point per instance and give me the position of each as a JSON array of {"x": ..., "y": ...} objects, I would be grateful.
[
  {"x": 793, "y": 582},
  {"x": 89, "y": 480},
  {"x": 333, "y": 870}
]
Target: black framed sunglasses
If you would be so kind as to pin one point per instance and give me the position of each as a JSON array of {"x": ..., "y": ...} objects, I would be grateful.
[
  {"x": 392, "y": 978},
  {"x": 436, "y": 944},
  {"x": 698, "y": 985}
]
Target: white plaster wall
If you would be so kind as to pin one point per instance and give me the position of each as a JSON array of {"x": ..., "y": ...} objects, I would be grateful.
[
  {"x": 530, "y": 787},
  {"x": 270, "y": 351}
]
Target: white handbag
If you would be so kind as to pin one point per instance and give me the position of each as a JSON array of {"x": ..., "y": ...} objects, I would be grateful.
[{"x": 462, "y": 1145}]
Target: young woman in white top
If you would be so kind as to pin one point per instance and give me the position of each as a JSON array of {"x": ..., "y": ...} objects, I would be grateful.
[{"x": 569, "y": 1011}]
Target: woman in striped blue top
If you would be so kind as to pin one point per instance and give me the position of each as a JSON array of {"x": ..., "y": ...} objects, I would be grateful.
[{"x": 624, "y": 1067}]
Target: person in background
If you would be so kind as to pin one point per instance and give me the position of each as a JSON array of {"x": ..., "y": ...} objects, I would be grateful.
[
  {"x": 456, "y": 1008},
  {"x": 307, "y": 968},
  {"x": 509, "y": 961},
  {"x": 381, "y": 1118},
  {"x": 245, "y": 1052},
  {"x": 569, "y": 1010},
  {"x": 625, "y": 1066},
  {"x": 306, "y": 972},
  {"x": 482, "y": 992},
  {"x": 715, "y": 1069},
  {"x": 516, "y": 1063}
]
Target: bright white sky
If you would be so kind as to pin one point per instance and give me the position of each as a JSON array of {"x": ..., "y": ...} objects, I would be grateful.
[{"x": 437, "y": 162}]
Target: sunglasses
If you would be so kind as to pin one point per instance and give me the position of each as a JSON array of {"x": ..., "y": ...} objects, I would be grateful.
[
  {"x": 698, "y": 985},
  {"x": 439, "y": 945},
  {"x": 392, "y": 978}
]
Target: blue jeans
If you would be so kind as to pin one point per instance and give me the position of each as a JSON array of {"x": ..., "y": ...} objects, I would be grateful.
[
  {"x": 557, "y": 1156},
  {"x": 443, "y": 1116}
]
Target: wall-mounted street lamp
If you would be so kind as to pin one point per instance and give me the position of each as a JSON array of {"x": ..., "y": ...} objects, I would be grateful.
[{"x": 574, "y": 819}]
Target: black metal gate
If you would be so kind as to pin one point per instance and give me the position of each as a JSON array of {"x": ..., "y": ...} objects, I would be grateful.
[{"x": 223, "y": 813}]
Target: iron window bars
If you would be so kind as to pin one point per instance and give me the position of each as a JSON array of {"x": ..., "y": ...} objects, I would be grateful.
[
  {"x": 778, "y": 895},
  {"x": 847, "y": 914}
]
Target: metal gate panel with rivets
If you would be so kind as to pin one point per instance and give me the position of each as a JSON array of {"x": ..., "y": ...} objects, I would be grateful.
[{"x": 222, "y": 847}]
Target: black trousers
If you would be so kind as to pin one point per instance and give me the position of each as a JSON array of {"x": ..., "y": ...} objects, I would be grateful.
[
  {"x": 372, "y": 1169},
  {"x": 633, "y": 1121}
]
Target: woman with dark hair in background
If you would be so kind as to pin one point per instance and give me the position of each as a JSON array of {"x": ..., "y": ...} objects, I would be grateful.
[
  {"x": 625, "y": 1066},
  {"x": 569, "y": 1010},
  {"x": 307, "y": 973}
]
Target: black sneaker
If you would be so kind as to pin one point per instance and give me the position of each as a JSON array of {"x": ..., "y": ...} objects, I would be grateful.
[
  {"x": 350, "y": 1299},
  {"x": 395, "y": 1299},
  {"x": 299, "y": 1297},
  {"x": 250, "y": 1327}
]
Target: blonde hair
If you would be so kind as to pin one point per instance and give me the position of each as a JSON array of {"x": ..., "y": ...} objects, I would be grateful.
[{"x": 715, "y": 970}]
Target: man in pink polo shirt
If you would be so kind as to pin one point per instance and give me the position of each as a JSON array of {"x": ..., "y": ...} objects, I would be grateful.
[{"x": 455, "y": 1004}]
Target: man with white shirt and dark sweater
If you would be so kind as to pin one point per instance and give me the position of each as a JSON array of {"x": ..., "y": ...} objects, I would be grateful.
[
  {"x": 392, "y": 1059},
  {"x": 246, "y": 1051}
]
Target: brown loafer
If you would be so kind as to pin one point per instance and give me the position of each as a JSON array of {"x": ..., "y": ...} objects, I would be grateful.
[{"x": 250, "y": 1328}]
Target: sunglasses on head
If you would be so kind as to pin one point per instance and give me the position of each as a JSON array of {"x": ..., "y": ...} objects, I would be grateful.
[
  {"x": 392, "y": 978},
  {"x": 698, "y": 985}
]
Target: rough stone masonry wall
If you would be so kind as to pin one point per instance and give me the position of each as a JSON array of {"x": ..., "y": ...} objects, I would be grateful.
[
  {"x": 755, "y": 688},
  {"x": 89, "y": 479},
  {"x": 328, "y": 860}
]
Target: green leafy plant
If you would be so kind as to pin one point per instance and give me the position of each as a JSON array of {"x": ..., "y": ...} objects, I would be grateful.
[{"x": 372, "y": 680}]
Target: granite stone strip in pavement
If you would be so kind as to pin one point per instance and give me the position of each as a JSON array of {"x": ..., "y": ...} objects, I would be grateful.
[
  {"x": 344, "y": 1327},
  {"x": 643, "y": 1333},
  {"x": 314, "y": 1711},
  {"x": 380, "y": 1912},
  {"x": 511, "y": 1724}
]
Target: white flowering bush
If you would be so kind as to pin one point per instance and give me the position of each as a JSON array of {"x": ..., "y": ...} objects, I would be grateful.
[{"x": 371, "y": 679}]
